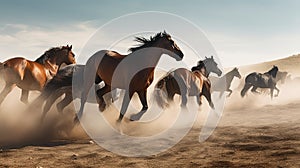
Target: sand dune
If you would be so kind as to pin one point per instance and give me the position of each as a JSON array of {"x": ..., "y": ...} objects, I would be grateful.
[{"x": 253, "y": 132}]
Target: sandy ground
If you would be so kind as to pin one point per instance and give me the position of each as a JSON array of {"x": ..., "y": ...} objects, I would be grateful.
[{"x": 253, "y": 132}]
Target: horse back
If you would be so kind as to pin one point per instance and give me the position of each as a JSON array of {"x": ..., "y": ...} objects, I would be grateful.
[{"x": 24, "y": 73}]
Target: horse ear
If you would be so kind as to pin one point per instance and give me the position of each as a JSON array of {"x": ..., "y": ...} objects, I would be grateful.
[
  {"x": 70, "y": 47},
  {"x": 67, "y": 46},
  {"x": 205, "y": 57},
  {"x": 212, "y": 57}
]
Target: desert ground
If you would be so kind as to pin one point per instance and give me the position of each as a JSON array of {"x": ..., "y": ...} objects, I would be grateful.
[{"x": 254, "y": 131}]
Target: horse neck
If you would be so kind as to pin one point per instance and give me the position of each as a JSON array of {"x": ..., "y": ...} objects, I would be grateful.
[
  {"x": 197, "y": 73},
  {"x": 52, "y": 65},
  {"x": 148, "y": 58},
  {"x": 229, "y": 77},
  {"x": 273, "y": 74}
]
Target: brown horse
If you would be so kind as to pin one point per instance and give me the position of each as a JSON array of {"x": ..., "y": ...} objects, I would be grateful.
[
  {"x": 33, "y": 75},
  {"x": 186, "y": 83},
  {"x": 133, "y": 72}
]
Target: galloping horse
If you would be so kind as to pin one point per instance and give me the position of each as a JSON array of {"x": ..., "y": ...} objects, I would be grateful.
[
  {"x": 223, "y": 84},
  {"x": 133, "y": 72},
  {"x": 33, "y": 75},
  {"x": 62, "y": 83},
  {"x": 187, "y": 83},
  {"x": 258, "y": 80}
]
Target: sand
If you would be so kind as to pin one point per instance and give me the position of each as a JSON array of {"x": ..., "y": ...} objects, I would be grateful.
[{"x": 253, "y": 132}]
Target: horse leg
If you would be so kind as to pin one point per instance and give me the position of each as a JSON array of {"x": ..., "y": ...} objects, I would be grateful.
[
  {"x": 254, "y": 89},
  {"x": 88, "y": 83},
  {"x": 50, "y": 101},
  {"x": 24, "y": 96},
  {"x": 100, "y": 98},
  {"x": 64, "y": 102},
  {"x": 127, "y": 97},
  {"x": 199, "y": 100},
  {"x": 7, "y": 89},
  {"x": 171, "y": 95},
  {"x": 221, "y": 94},
  {"x": 230, "y": 92},
  {"x": 272, "y": 92},
  {"x": 207, "y": 95},
  {"x": 184, "y": 98},
  {"x": 143, "y": 99},
  {"x": 277, "y": 91},
  {"x": 245, "y": 89}
]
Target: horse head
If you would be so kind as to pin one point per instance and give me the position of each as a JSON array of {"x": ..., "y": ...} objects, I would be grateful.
[
  {"x": 161, "y": 40},
  {"x": 211, "y": 66},
  {"x": 236, "y": 73},
  {"x": 66, "y": 55}
]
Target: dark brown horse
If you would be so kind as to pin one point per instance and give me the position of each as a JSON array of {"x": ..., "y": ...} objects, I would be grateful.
[
  {"x": 69, "y": 82},
  {"x": 259, "y": 80},
  {"x": 33, "y": 75},
  {"x": 187, "y": 83},
  {"x": 133, "y": 72}
]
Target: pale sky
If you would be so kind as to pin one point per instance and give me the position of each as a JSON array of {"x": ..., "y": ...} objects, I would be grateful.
[{"x": 242, "y": 32}]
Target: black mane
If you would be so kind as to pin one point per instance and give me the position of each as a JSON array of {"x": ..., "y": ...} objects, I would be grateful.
[
  {"x": 49, "y": 53},
  {"x": 273, "y": 71},
  {"x": 199, "y": 66},
  {"x": 147, "y": 42}
]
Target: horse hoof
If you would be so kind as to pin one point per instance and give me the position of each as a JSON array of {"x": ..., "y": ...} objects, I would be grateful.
[
  {"x": 76, "y": 120},
  {"x": 134, "y": 117},
  {"x": 102, "y": 107},
  {"x": 118, "y": 121},
  {"x": 183, "y": 107}
]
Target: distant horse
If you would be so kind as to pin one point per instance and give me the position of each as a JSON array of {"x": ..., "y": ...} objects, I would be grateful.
[
  {"x": 33, "y": 75},
  {"x": 258, "y": 80},
  {"x": 281, "y": 76},
  {"x": 186, "y": 83},
  {"x": 133, "y": 72},
  {"x": 223, "y": 84}
]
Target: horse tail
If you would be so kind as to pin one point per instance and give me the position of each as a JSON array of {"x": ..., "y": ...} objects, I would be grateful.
[
  {"x": 160, "y": 92},
  {"x": 251, "y": 78},
  {"x": 246, "y": 87}
]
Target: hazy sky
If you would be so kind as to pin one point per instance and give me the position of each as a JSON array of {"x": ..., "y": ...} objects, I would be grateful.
[{"x": 243, "y": 32}]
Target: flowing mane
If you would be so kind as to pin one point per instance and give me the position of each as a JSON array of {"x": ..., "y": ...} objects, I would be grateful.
[
  {"x": 144, "y": 43},
  {"x": 199, "y": 66},
  {"x": 49, "y": 53},
  {"x": 273, "y": 71}
]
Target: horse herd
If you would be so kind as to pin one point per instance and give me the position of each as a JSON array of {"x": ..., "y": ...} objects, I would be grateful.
[{"x": 109, "y": 70}]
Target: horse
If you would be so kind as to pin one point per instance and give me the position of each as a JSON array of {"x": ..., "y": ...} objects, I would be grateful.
[
  {"x": 33, "y": 75},
  {"x": 259, "y": 80},
  {"x": 62, "y": 84},
  {"x": 133, "y": 72},
  {"x": 223, "y": 84},
  {"x": 281, "y": 76},
  {"x": 187, "y": 83}
]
